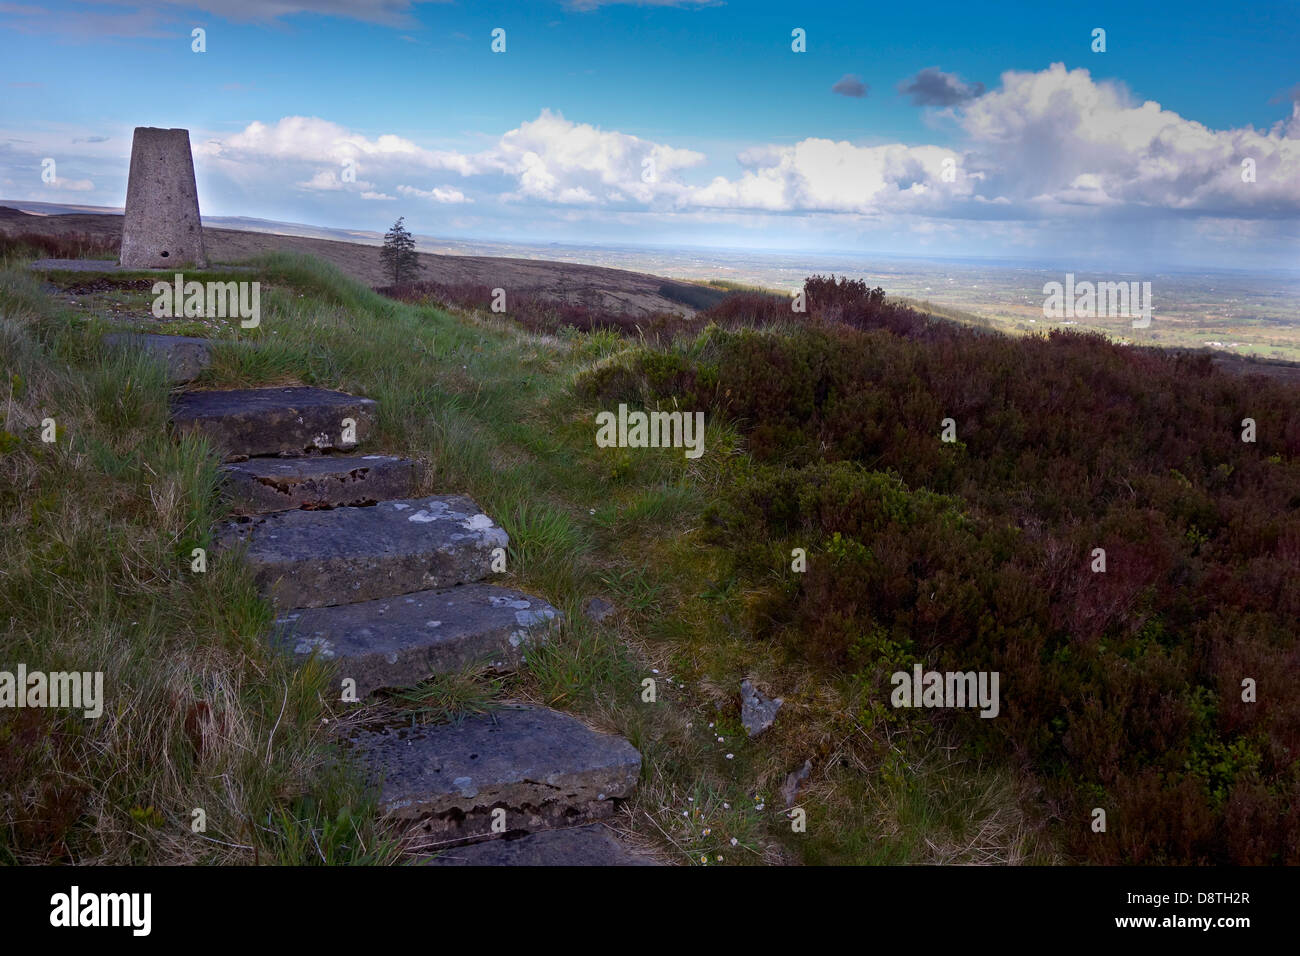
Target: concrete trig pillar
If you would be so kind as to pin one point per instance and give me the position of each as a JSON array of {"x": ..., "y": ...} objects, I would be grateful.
[{"x": 162, "y": 226}]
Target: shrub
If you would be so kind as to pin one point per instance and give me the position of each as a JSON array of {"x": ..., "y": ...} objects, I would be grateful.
[{"x": 1121, "y": 689}]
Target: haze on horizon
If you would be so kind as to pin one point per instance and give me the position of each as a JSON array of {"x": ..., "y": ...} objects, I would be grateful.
[{"x": 689, "y": 124}]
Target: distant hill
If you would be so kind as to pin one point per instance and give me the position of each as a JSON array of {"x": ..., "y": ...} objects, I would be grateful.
[{"x": 357, "y": 254}]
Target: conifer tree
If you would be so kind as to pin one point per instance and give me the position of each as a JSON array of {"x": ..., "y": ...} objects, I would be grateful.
[{"x": 399, "y": 257}]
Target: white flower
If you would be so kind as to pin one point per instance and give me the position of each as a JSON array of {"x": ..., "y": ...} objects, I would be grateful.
[{"x": 729, "y": 757}]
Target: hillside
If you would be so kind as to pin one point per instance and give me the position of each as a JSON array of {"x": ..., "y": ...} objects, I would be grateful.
[
  {"x": 615, "y": 290},
  {"x": 971, "y": 552}
]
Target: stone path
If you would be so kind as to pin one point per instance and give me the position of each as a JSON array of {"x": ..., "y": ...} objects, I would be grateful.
[{"x": 393, "y": 589}]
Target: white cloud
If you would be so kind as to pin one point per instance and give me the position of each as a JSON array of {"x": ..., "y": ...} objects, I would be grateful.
[
  {"x": 1058, "y": 136},
  {"x": 325, "y": 179},
  {"x": 822, "y": 175},
  {"x": 555, "y": 160},
  {"x": 311, "y": 139},
  {"x": 549, "y": 159},
  {"x": 440, "y": 194},
  {"x": 1049, "y": 144},
  {"x": 1044, "y": 143}
]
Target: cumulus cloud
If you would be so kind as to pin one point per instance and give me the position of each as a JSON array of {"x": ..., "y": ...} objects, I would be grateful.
[
  {"x": 1048, "y": 143},
  {"x": 311, "y": 140},
  {"x": 549, "y": 159},
  {"x": 324, "y": 180},
  {"x": 822, "y": 175},
  {"x": 1059, "y": 137},
  {"x": 850, "y": 84},
  {"x": 933, "y": 87},
  {"x": 556, "y": 160},
  {"x": 442, "y": 194},
  {"x": 1043, "y": 144}
]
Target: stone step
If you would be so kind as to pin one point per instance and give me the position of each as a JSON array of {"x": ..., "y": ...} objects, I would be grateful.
[
  {"x": 262, "y": 485},
  {"x": 305, "y": 559},
  {"x": 545, "y": 769},
  {"x": 185, "y": 356},
  {"x": 400, "y": 641},
  {"x": 274, "y": 421},
  {"x": 592, "y": 845}
]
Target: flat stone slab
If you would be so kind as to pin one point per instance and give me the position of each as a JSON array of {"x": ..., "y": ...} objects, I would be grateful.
[
  {"x": 542, "y": 767},
  {"x": 592, "y": 845},
  {"x": 304, "y": 559},
  {"x": 274, "y": 421},
  {"x": 400, "y": 641},
  {"x": 261, "y": 485},
  {"x": 185, "y": 356}
]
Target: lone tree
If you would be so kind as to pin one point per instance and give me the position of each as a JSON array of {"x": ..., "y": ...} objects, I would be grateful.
[{"x": 400, "y": 260}]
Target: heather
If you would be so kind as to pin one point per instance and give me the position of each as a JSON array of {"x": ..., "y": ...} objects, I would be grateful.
[{"x": 1122, "y": 688}]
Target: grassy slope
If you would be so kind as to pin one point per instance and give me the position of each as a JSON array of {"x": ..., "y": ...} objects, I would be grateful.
[{"x": 98, "y": 529}]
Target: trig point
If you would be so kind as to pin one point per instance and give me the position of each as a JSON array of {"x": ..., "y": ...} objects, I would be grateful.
[{"x": 162, "y": 226}]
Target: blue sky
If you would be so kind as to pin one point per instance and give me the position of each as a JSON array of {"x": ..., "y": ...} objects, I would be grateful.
[{"x": 1050, "y": 148}]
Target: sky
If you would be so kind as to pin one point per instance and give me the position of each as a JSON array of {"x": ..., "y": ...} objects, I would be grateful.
[{"x": 935, "y": 128}]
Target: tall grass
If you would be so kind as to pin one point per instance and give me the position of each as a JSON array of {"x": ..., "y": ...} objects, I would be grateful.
[{"x": 201, "y": 723}]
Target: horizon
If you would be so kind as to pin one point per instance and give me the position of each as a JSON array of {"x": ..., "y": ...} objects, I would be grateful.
[
  {"x": 999, "y": 136},
  {"x": 354, "y": 233}
]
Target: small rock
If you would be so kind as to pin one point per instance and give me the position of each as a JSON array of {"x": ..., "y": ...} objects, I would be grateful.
[
  {"x": 597, "y": 610},
  {"x": 790, "y": 789},
  {"x": 756, "y": 711}
]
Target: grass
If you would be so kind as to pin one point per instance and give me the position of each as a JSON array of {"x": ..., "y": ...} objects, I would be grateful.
[
  {"x": 201, "y": 722},
  {"x": 445, "y": 698},
  {"x": 98, "y": 529}
]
